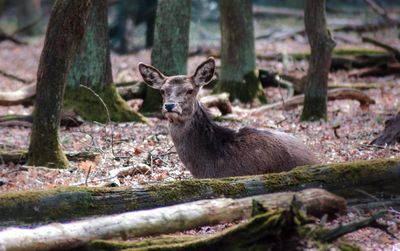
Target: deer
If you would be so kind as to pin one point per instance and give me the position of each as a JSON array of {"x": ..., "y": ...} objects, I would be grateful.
[{"x": 209, "y": 150}]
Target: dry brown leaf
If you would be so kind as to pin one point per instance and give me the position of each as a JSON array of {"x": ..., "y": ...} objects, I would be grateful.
[{"x": 87, "y": 165}]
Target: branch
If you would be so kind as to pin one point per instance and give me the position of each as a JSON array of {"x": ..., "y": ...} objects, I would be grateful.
[{"x": 159, "y": 221}]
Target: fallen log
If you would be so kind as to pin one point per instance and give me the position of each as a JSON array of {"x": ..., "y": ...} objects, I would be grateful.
[
  {"x": 391, "y": 134},
  {"x": 220, "y": 101},
  {"x": 377, "y": 71},
  {"x": 280, "y": 230},
  {"x": 18, "y": 97},
  {"x": 377, "y": 177},
  {"x": 164, "y": 220},
  {"x": 391, "y": 49},
  {"x": 67, "y": 120},
  {"x": 20, "y": 156},
  {"x": 333, "y": 94}
]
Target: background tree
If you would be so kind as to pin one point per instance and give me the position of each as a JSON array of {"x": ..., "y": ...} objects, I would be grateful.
[
  {"x": 171, "y": 44},
  {"x": 239, "y": 75},
  {"x": 322, "y": 45},
  {"x": 28, "y": 15},
  {"x": 92, "y": 68},
  {"x": 139, "y": 11},
  {"x": 64, "y": 34}
]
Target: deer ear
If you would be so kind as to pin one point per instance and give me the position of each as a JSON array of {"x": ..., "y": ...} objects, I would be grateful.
[
  {"x": 204, "y": 72},
  {"x": 153, "y": 77}
]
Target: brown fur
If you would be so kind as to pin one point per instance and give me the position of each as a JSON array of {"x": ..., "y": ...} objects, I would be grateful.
[{"x": 209, "y": 150}]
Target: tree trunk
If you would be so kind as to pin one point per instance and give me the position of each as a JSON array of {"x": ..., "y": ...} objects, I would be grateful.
[
  {"x": 165, "y": 220},
  {"x": 92, "y": 68},
  {"x": 239, "y": 76},
  {"x": 322, "y": 44},
  {"x": 171, "y": 43},
  {"x": 64, "y": 34},
  {"x": 28, "y": 15},
  {"x": 391, "y": 133},
  {"x": 378, "y": 178}
]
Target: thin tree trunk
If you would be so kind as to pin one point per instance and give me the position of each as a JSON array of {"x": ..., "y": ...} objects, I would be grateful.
[
  {"x": 65, "y": 32},
  {"x": 322, "y": 44},
  {"x": 92, "y": 68},
  {"x": 171, "y": 43},
  {"x": 378, "y": 178},
  {"x": 28, "y": 15},
  {"x": 239, "y": 76},
  {"x": 317, "y": 202}
]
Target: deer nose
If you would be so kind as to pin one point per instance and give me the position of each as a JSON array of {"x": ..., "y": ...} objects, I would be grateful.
[{"x": 169, "y": 106}]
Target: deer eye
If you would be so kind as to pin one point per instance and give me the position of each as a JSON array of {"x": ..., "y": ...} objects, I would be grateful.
[
  {"x": 189, "y": 92},
  {"x": 162, "y": 92}
]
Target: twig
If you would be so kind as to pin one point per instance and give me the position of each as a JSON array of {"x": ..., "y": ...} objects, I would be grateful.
[
  {"x": 380, "y": 11},
  {"x": 13, "y": 77},
  {"x": 87, "y": 175},
  {"x": 387, "y": 47},
  {"x": 379, "y": 147},
  {"x": 108, "y": 115},
  {"x": 341, "y": 230}
]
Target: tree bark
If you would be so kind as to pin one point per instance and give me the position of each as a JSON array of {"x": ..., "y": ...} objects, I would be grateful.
[
  {"x": 239, "y": 76},
  {"x": 378, "y": 178},
  {"x": 322, "y": 44},
  {"x": 391, "y": 133},
  {"x": 171, "y": 44},
  {"x": 92, "y": 68},
  {"x": 65, "y": 32},
  {"x": 164, "y": 220}
]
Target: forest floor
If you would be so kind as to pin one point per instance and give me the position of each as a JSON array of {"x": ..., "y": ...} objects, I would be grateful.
[{"x": 345, "y": 137}]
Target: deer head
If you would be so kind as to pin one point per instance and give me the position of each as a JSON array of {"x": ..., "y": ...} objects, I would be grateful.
[{"x": 179, "y": 92}]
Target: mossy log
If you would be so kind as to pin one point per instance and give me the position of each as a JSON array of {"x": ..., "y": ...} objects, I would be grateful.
[
  {"x": 165, "y": 220},
  {"x": 277, "y": 229},
  {"x": 376, "y": 177}
]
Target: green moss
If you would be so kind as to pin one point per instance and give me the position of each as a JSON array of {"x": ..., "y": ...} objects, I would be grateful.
[
  {"x": 340, "y": 52},
  {"x": 50, "y": 205},
  {"x": 247, "y": 90},
  {"x": 89, "y": 107},
  {"x": 188, "y": 190},
  {"x": 98, "y": 245},
  {"x": 326, "y": 176},
  {"x": 50, "y": 154}
]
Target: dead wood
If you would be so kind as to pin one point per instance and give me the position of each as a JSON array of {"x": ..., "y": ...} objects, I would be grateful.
[
  {"x": 381, "y": 12},
  {"x": 334, "y": 94},
  {"x": 372, "y": 25},
  {"x": 19, "y": 156},
  {"x": 391, "y": 133},
  {"x": 220, "y": 101},
  {"x": 378, "y": 178},
  {"x": 391, "y": 49},
  {"x": 280, "y": 230},
  {"x": 376, "y": 71},
  {"x": 14, "y": 77},
  {"x": 20, "y": 96},
  {"x": 181, "y": 217},
  {"x": 67, "y": 120},
  {"x": 11, "y": 38},
  {"x": 273, "y": 79}
]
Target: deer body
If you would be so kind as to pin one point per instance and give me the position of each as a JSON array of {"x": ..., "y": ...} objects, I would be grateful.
[{"x": 208, "y": 150}]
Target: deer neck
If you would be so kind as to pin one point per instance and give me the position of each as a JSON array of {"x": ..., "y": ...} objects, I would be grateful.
[{"x": 199, "y": 133}]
